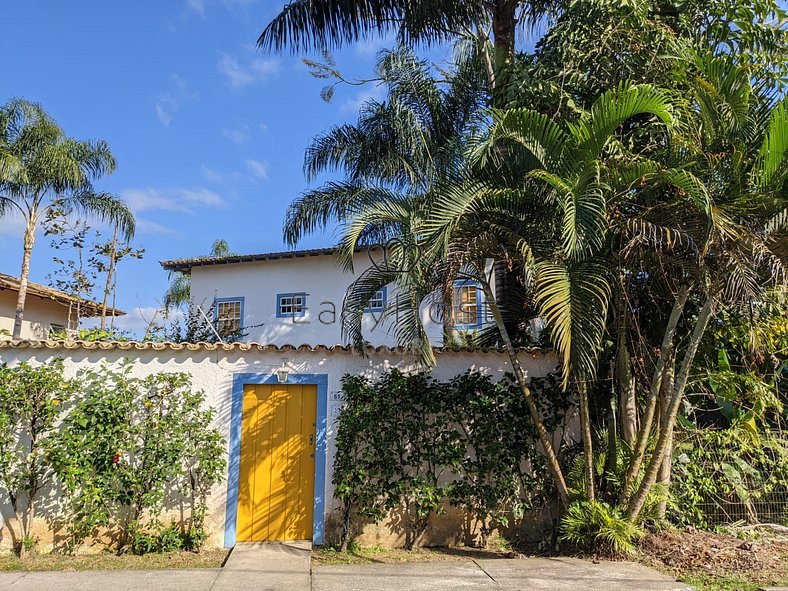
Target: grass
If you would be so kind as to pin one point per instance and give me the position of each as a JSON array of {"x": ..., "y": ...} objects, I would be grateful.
[
  {"x": 356, "y": 554},
  {"x": 61, "y": 562},
  {"x": 720, "y": 583}
]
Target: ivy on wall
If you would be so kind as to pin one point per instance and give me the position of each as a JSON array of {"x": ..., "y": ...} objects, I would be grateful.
[{"x": 408, "y": 445}]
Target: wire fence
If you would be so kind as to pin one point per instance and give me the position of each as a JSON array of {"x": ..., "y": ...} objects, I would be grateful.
[{"x": 771, "y": 507}]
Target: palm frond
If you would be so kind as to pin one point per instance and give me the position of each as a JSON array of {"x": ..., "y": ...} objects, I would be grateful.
[
  {"x": 614, "y": 108},
  {"x": 104, "y": 207},
  {"x": 771, "y": 167},
  {"x": 573, "y": 301}
]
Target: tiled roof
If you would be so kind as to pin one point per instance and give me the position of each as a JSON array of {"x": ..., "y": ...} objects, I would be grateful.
[
  {"x": 87, "y": 307},
  {"x": 185, "y": 265},
  {"x": 229, "y": 347}
]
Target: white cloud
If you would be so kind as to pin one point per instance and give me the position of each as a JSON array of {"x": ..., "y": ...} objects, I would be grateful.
[
  {"x": 353, "y": 105},
  {"x": 197, "y": 6},
  {"x": 240, "y": 74},
  {"x": 258, "y": 169},
  {"x": 211, "y": 175},
  {"x": 168, "y": 103},
  {"x": 182, "y": 88},
  {"x": 239, "y": 135},
  {"x": 149, "y": 227},
  {"x": 140, "y": 318},
  {"x": 177, "y": 199},
  {"x": 165, "y": 108}
]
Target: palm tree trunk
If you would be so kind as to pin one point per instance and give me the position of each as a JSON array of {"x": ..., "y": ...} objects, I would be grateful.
[
  {"x": 503, "y": 27},
  {"x": 588, "y": 443},
  {"x": 656, "y": 381},
  {"x": 108, "y": 284},
  {"x": 544, "y": 435},
  {"x": 666, "y": 429},
  {"x": 628, "y": 409},
  {"x": 663, "y": 477},
  {"x": 29, "y": 241}
]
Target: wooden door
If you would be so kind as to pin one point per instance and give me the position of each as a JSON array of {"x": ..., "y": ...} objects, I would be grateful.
[{"x": 277, "y": 472}]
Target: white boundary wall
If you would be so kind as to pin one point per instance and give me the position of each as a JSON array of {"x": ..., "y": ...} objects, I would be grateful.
[{"x": 212, "y": 368}]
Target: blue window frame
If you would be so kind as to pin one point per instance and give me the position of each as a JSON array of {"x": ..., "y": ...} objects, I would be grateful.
[
  {"x": 377, "y": 302},
  {"x": 467, "y": 305},
  {"x": 290, "y": 305},
  {"x": 234, "y": 465},
  {"x": 228, "y": 316}
]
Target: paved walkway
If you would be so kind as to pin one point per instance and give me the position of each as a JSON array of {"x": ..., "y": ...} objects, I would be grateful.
[{"x": 286, "y": 567}]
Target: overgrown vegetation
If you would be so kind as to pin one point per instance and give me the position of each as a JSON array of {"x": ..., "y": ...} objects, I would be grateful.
[
  {"x": 408, "y": 445},
  {"x": 114, "y": 452},
  {"x": 627, "y": 178}
]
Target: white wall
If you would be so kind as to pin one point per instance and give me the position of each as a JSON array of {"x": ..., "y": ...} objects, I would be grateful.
[
  {"x": 40, "y": 314},
  {"x": 320, "y": 277},
  {"x": 212, "y": 368}
]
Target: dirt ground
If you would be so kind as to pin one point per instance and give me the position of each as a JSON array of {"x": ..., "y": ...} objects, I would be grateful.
[{"x": 719, "y": 561}]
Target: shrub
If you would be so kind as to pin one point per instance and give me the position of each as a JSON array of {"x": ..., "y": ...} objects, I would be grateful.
[
  {"x": 598, "y": 527},
  {"x": 412, "y": 443},
  {"x": 132, "y": 447},
  {"x": 30, "y": 403}
]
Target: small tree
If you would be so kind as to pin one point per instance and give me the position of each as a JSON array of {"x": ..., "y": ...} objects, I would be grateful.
[{"x": 30, "y": 399}]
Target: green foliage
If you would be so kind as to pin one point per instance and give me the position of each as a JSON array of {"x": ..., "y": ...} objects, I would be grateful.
[
  {"x": 30, "y": 403},
  {"x": 132, "y": 447},
  {"x": 166, "y": 539},
  {"x": 411, "y": 443},
  {"x": 726, "y": 475},
  {"x": 598, "y": 527}
]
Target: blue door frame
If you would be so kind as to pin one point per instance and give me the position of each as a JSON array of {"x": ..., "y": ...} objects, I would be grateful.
[{"x": 234, "y": 468}]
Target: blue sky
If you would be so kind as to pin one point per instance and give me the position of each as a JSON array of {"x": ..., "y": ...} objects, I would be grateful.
[{"x": 209, "y": 133}]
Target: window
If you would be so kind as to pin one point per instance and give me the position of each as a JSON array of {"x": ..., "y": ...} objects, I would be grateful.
[
  {"x": 467, "y": 305},
  {"x": 57, "y": 330},
  {"x": 228, "y": 316},
  {"x": 377, "y": 302},
  {"x": 290, "y": 305}
]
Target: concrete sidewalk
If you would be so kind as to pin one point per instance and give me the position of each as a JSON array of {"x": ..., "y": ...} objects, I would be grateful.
[
  {"x": 286, "y": 567},
  {"x": 267, "y": 566},
  {"x": 503, "y": 574}
]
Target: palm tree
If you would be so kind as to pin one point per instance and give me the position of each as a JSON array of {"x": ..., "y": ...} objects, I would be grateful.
[
  {"x": 179, "y": 291},
  {"x": 535, "y": 193},
  {"x": 42, "y": 169},
  {"x": 403, "y": 144},
  {"x": 737, "y": 144},
  {"x": 492, "y": 25}
]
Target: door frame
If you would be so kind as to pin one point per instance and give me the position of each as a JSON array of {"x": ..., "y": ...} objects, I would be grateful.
[{"x": 234, "y": 465}]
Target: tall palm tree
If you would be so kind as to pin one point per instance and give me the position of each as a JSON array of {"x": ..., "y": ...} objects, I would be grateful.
[
  {"x": 492, "y": 25},
  {"x": 404, "y": 143},
  {"x": 43, "y": 168},
  {"x": 535, "y": 193},
  {"x": 737, "y": 145}
]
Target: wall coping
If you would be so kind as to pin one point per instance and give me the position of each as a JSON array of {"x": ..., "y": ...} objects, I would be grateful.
[{"x": 230, "y": 347}]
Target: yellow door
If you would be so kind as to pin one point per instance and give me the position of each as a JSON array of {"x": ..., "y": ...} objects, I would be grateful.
[{"x": 277, "y": 475}]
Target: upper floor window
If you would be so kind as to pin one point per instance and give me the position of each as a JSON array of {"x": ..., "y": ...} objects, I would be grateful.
[
  {"x": 289, "y": 305},
  {"x": 467, "y": 305},
  {"x": 377, "y": 302},
  {"x": 229, "y": 316}
]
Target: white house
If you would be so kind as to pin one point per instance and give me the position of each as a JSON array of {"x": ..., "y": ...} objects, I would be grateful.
[
  {"x": 47, "y": 310},
  {"x": 296, "y": 297}
]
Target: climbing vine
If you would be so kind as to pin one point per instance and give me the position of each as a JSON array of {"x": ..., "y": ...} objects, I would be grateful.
[{"x": 409, "y": 445}]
